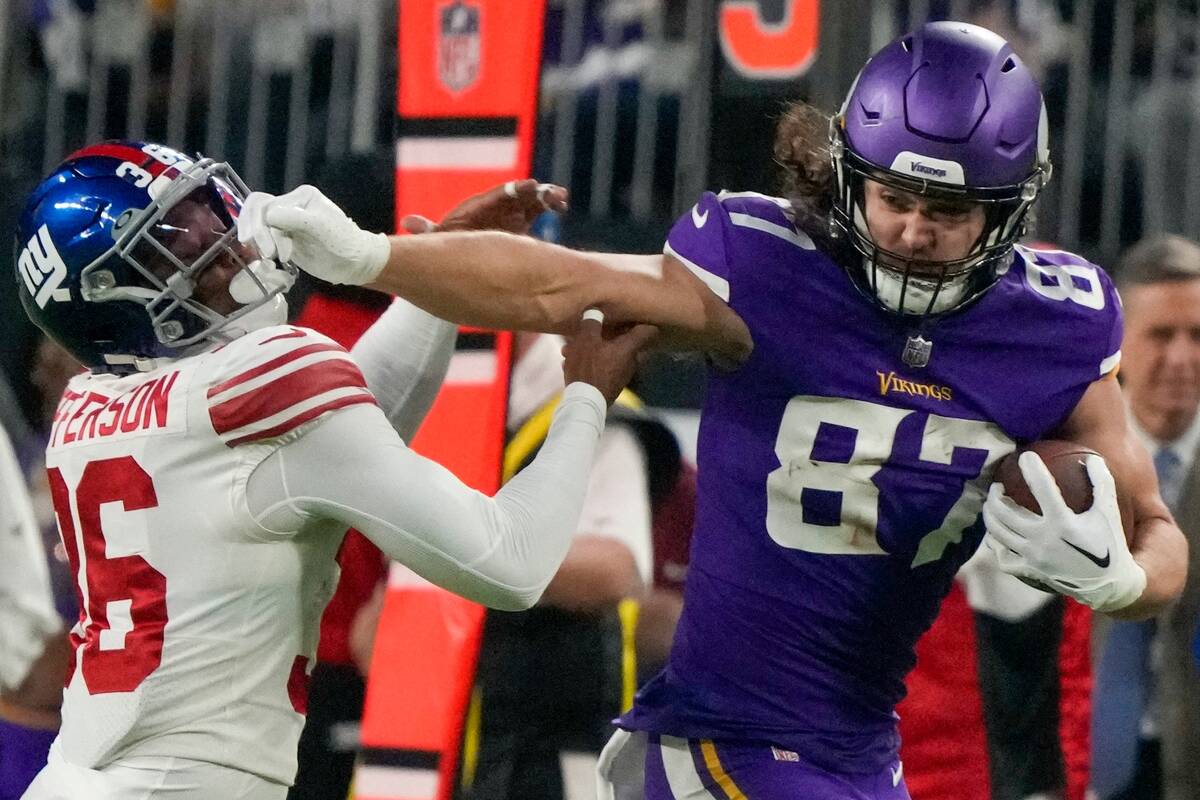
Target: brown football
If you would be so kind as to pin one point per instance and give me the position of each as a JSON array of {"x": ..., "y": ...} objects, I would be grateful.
[{"x": 1065, "y": 461}]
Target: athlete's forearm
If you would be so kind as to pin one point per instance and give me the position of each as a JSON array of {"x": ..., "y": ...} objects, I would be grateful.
[
  {"x": 501, "y": 551},
  {"x": 1157, "y": 550},
  {"x": 498, "y": 280}
]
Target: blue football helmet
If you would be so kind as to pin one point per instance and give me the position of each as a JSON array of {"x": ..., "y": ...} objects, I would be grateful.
[{"x": 127, "y": 253}]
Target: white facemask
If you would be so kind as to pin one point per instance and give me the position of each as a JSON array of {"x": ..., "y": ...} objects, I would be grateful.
[{"x": 890, "y": 284}]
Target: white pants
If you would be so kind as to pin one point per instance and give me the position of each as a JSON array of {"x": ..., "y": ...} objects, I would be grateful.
[
  {"x": 621, "y": 770},
  {"x": 148, "y": 778}
]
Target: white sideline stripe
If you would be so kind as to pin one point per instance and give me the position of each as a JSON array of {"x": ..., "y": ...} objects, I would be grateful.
[
  {"x": 719, "y": 286},
  {"x": 472, "y": 367},
  {"x": 1110, "y": 363},
  {"x": 275, "y": 374},
  {"x": 682, "y": 776},
  {"x": 294, "y": 411},
  {"x": 787, "y": 234},
  {"x": 395, "y": 783},
  {"x": 456, "y": 152}
]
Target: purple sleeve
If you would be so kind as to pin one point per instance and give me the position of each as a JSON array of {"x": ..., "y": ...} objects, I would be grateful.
[
  {"x": 1083, "y": 297},
  {"x": 698, "y": 240}
]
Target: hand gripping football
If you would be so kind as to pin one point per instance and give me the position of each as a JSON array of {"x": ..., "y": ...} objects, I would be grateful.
[{"x": 1064, "y": 460}]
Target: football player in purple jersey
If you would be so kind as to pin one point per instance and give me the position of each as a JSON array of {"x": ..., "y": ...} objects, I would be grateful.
[{"x": 903, "y": 343}]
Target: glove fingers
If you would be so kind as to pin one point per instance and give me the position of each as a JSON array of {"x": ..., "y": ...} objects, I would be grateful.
[
  {"x": 1041, "y": 482},
  {"x": 287, "y": 219},
  {"x": 251, "y": 227},
  {"x": 301, "y": 197},
  {"x": 1103, "y": 485},
  {"x": 1002, "y": 507},
  {"x": 1004, "y": 534},
  {"x": 285, "y": 246},
  {"x": 1009, "y": 561}
]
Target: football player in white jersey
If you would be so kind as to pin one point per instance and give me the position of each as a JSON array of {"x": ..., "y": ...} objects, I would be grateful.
[{"x": 207, "y": 465}]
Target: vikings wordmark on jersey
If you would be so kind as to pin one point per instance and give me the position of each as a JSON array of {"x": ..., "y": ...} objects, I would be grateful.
[
  {"x": 840, "y": 488},
  {"x": 195, "y": 633}
]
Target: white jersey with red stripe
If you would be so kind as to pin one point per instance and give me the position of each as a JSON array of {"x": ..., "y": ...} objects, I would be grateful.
[{"x": 197, "y": 628}]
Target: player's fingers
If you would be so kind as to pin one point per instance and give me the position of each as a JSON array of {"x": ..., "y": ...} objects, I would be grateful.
[
  {"x": 284, "y": 246},
  {"x": 591, "y": 325},
  {"x": 1014, "y": 566},
  {"x": 1104, "y": 488},
  {"x": 1011, "y": 562},
  {"x": 552, "y": 197},
  {"x": 1003, "y": 507},
  {"x": 287, "y": 218},
  {"x": 415, "y": 223},
  {"x": 515, "y": 189},
  {"x": 999, "y": 550},
  {"x": 535, "y": 197},
  {"x": 302, "y": 196},
  {"x": 251, "y": 226},
  {"x": 1041, "y": 483},
  {"x": 637, "y": 337},
  {"x": 1003, "y": 533}
]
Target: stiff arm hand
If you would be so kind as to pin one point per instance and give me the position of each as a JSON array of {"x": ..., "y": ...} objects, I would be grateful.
[
  {"x": 606, "y": 360},
  {"x": 495, "y": 279}
]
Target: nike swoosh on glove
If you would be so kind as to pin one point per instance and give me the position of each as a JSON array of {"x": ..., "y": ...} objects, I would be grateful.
[
  {"x": 1083, "y": 555},
  {"x": 308, "y": 229}
]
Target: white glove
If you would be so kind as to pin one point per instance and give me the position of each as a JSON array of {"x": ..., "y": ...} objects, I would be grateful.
[
  {"x": 308, "y": 229},
  {"x": 1082, "y": 555}
]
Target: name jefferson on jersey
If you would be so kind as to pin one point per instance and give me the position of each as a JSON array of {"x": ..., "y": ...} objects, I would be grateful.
[{"x": 195, "y": 633}]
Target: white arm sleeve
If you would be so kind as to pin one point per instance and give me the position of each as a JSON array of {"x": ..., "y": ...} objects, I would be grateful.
[
  {"x": 501, "y": 551},
  {"x": 404, "y": 357}
]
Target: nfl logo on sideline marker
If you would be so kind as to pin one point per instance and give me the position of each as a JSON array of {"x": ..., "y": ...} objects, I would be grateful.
[{"x": 459, "y": 45}]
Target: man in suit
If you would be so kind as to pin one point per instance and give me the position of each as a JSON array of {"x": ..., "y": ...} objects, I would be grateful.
[{"x": 1146, "y": 700}]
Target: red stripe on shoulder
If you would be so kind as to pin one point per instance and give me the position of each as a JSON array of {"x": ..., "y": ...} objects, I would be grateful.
[
  {"x": 300, "y": 419},
  {"x": 284, "y": 392},
  {"x": 294, "y": 333},
  {"x": 274, "y": 363}
]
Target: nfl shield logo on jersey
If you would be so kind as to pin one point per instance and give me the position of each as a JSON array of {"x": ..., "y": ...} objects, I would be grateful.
[{"x": 459, "y": 45}]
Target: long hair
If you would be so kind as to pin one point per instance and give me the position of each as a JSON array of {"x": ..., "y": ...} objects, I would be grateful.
[{"x": 802, "y": 150}]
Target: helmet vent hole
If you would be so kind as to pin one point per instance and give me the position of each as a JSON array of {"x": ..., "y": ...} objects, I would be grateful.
[
  {"x": 906, "y": 43},
  {"x": 1009, "y": 64}
]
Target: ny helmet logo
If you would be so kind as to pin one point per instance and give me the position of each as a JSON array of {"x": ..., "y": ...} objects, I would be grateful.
[
  {"x": 42, "y": 269},
  {"x": 459, "y": 45}
]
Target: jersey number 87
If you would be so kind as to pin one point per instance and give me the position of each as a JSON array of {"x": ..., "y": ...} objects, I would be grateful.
[{"x": 805, "y": 479}]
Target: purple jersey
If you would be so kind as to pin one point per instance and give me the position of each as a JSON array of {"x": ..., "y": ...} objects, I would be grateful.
[{"x": 839, "y": 489}]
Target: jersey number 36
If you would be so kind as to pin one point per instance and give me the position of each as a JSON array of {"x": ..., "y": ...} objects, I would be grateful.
[{"x": 123, "y": 599}]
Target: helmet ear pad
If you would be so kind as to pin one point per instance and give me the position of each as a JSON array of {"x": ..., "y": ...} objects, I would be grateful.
[{"x": 948, "y": 110}]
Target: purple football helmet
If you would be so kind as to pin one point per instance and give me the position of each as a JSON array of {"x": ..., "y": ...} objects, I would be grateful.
[{"x": 949, "y": 112}]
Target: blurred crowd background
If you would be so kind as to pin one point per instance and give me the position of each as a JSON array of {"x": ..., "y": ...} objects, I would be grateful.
[{"x": 639, "y": 111}]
